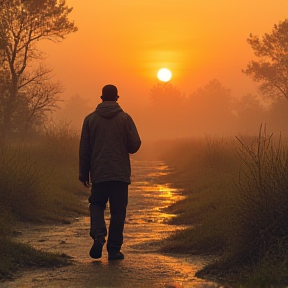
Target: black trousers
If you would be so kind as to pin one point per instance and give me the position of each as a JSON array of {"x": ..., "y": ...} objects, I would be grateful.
[{"x": 116, "y": 192}]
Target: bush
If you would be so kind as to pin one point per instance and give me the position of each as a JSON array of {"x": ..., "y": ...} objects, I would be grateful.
[{"x": 260, "y": 204}]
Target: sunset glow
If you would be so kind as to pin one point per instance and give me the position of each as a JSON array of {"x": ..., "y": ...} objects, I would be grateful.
[
  {"x": 158, "y": 105},
  {"x": 164, "y": 75},
  {"x": 126, "y": 42},
  {"x": 117, "y": 42}
]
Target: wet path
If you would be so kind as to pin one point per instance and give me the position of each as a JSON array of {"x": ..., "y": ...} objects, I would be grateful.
[{"x": 142, "y": 267}]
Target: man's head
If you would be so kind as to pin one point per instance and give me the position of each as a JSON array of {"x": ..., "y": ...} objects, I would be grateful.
[{"x": 109, "y": 93}]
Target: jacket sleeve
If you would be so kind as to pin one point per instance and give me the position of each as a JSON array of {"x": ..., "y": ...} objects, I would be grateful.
[
  {"x": 133, "y": 140},
  {"x": 84, "y": 153}
]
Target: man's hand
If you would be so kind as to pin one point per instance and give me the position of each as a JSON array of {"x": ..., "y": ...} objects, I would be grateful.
[{"x": 86, "y": 184}]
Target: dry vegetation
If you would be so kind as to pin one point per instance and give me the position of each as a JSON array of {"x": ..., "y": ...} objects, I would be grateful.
[
  {"x": 38, "y": 182},
  {"x": 236, "y": 206},
  {"x": 236, "y": 202}
]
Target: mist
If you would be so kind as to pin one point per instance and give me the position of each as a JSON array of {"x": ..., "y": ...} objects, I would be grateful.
[{"x": 209, "y": 110}]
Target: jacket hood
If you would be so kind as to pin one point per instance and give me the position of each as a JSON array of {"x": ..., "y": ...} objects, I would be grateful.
[{"x": 108, "y": 109}]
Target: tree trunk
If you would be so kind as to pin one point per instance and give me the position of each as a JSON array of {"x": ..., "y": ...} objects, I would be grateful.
[
  {"x": 7, "y": 125},
  {"x": 8, "y": 110}
]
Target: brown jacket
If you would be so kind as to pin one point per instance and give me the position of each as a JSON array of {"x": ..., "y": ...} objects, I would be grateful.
[{"x": 108, "y": 136}]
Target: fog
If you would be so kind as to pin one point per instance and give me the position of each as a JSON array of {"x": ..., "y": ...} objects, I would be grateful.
[
  {"x": 209, "y": 110},
  {"x": 206, "y": 52}
]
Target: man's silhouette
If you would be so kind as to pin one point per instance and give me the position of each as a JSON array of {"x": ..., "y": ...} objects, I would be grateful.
[{"x": 108, "y": 136}]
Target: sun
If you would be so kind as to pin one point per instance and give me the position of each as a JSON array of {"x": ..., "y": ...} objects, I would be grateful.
[{"x": 164, "y": 74}]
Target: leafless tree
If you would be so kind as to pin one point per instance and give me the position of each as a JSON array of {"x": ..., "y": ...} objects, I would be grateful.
[{"x": 39, "y": 97}]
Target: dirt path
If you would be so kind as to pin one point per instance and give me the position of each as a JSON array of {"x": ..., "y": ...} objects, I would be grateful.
[{"x": 142, "y": 266}]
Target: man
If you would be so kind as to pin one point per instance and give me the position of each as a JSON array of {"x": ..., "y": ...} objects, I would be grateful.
[{"x": 108, "y": 136}]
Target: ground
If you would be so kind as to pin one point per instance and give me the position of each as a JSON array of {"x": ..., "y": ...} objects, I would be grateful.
[{"x": 143, "y": 266}]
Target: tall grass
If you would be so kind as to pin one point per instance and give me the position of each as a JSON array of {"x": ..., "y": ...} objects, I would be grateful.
[
  {"x": 38, "y": 183},
  {"x": 236, "y": 204},
  {"x": 262, "y": 195},
  {"x": 22, "y": 183},
  {"x": 42, "y": 175},
  {"x": 260, "y": 207}
]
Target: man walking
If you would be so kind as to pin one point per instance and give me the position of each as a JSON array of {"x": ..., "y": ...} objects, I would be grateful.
[{"x": 108, "y": 136}]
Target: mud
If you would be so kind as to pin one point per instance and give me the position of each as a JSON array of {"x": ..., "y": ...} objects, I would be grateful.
[{"x": 142, "y": 266}]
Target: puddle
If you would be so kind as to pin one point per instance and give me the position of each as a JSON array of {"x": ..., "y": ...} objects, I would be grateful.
[{"x": 142, "y": 266}]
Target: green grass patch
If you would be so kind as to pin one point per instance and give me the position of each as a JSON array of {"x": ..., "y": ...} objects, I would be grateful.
[{"x": 15, "y": 256}]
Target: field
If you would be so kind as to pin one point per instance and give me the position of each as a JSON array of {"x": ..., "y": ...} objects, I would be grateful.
[
  {"x": 235, "y": 205},
  {"x": 235, "y": 202}
]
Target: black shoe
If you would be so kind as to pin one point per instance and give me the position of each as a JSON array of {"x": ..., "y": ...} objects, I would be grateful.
[
  {"x": 116, "y": 256},
  {"x": 96, "y": 249}
]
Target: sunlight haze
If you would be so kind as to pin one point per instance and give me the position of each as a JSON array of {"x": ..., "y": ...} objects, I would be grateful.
[
  {"x": 126, "y": 42},
  {"x": 160, "y": 125}
]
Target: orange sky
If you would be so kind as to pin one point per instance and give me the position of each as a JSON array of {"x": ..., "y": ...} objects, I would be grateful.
[{"x": 125, "y": 43}]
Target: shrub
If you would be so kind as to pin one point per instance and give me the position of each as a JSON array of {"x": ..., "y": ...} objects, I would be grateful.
[{"x": 260, "y": 204}]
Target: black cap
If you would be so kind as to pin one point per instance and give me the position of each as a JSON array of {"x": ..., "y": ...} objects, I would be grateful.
[{"x": 109, "y": 93}]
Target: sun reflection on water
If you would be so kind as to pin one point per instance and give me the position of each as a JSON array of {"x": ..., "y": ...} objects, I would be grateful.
[
  {"x": 149, "y": 197},
  {"x": 146, "y": 225}
]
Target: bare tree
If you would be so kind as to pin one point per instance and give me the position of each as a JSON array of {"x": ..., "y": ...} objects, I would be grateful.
[
  {"x": 39, "y": 97},
  {"x": 22, "y": 24}
]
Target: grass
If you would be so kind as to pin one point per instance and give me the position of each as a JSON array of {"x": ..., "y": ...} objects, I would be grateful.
[
  {"x": 236, "y": 205},
  {"x": 15, "y": 256},
  {"x": 38, "y": 183}
]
